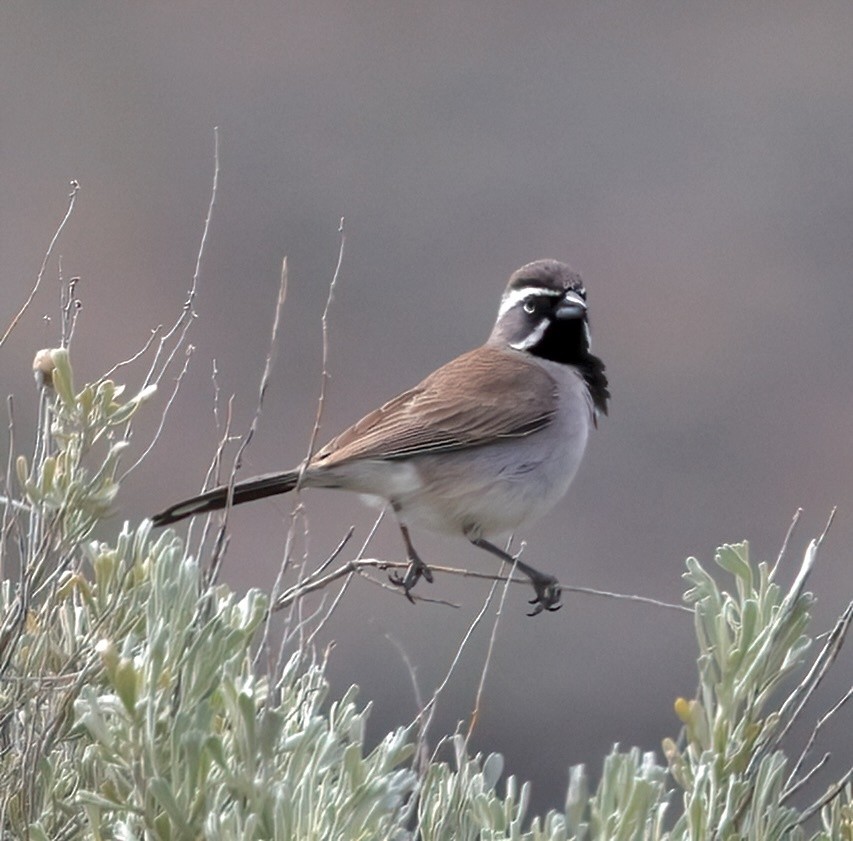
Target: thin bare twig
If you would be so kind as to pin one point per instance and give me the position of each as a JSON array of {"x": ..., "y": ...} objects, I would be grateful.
[
  {"x": 296, "y": 604},
  {"x": 425, "y": 716},
  {"x": 421, "y": 759},
  {"x": 385, "y": 584},
  {"x": 8, "y": 501},
  {"x": 69, "y": 307},
  {"x": 133, "y": 357},
  {"x": 376, "y": 563},
  {"x": 410, "y": 668},
  {"x": 324, "y": 376},
  {"x": 475, "y": 713},
  {"x": 427, "y": 712},
  {"x": 791, "y": 709},
  {"x": 344, "y": 587},
  {"x": 298, "y": 509},
  {"x": 832, "y": 647},
  {"x": 72, "y": 199},
  {"x": 832, "y": 792},
  {"x": 791, "y": 788},
  {"x": 784, "y": 547},
  {"x": 160, "y": 426},
  {"x": 336, "y": 551},
  {"x": 246, "y": 439},
  {"x": 183, "y": 321},
  {"x": 186, "y": 316},
  {"x": 212, "y": 476},
  {"x": 317, "y": 575},
  {"x": 267, "y": 373},
  {"x": 297, "y": 515},
  {"x": 328, "y": 614},
  {"x": 807, "y": 686}
]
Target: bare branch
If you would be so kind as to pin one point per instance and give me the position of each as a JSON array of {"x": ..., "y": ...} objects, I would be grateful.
[
  {"x": 784, "y": 547},
  {"x": 806, "y": 687},
  {"x": 791, "y": 788},
  {"x": 161, "y": 425},
  {"x": 832, "y": 792},
  {"x": 72, "y": 199},
  {"x": 183, "y": 321},
  {"x": 268, "y": 363},
  {"x": 475, "y": 713},
  {"x": 69, "y": 307},
  {"x": 324, "y": 376},
  {"x": 360, "y": 565},
  {"x": 425, "y": 716},
  {"x": 831, "y": 650}
]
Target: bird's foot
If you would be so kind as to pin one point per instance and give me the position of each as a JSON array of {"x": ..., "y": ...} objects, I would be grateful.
[
  {"x": 546, "y": 586},
  {"x": 548, "y": 592},
  {"x": 417, "y": 569}
]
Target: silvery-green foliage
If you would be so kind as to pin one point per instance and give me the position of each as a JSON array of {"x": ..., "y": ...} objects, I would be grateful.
[
  {"x": 630, "y": 801},
  {"x": 736, "y": 779},
  {"x": 463, "y": 802},
  {"x": 187, "y": 740}
]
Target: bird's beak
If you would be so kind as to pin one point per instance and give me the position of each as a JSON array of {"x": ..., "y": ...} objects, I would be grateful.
[{"x": 571, "y": 306}]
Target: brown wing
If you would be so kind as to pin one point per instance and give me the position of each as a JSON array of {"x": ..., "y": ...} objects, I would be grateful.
[{"x": 479, "y": 397}]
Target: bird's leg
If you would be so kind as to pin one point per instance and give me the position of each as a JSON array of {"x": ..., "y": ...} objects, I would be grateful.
[
  {"x": 417, "y": 567},
  {"x": 546, "y": 586}
]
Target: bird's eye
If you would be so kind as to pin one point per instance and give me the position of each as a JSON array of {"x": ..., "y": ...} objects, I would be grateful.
[{"x": 530, "y": 306}]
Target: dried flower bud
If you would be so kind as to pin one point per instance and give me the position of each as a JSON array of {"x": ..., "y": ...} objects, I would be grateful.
[{"x": 43, "y": 367}]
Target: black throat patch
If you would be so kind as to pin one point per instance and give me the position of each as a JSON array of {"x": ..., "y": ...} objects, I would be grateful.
[{"x": 567, "y": 342}]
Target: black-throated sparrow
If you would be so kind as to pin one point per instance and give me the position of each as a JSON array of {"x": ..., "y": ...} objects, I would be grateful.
[{"x": 483, "y": 444}]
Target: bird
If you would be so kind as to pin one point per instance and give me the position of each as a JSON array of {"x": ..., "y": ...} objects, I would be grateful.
[{"x": 484, "y": 444}]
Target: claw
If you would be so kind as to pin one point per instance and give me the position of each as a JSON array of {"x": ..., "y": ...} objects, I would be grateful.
[
  {"x": 547, "y": 595},
  {"x": 417, "y": 569},
  {"x": 547, "y": 587}
]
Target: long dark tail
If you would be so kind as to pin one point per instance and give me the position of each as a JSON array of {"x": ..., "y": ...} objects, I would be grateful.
[{"x": 269, "y": 484}]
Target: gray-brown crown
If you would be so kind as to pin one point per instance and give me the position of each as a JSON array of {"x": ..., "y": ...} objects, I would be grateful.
[{"x": 547, "y": 274}]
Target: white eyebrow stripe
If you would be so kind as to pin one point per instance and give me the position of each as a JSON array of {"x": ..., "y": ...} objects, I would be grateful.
[{"x": 518, "y": 295}]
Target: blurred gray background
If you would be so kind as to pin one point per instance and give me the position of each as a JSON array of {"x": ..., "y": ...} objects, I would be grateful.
[{"x": 693, "y": 160}]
